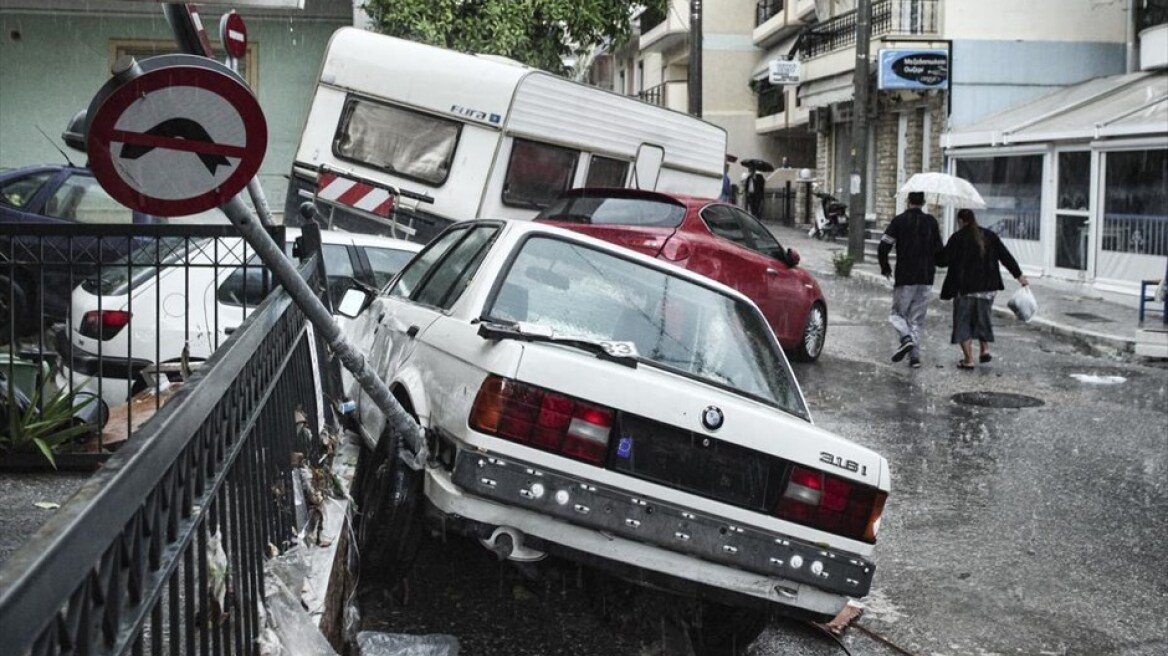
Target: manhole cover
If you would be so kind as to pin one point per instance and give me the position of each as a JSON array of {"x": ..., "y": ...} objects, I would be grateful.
[
  {"x": 997, "y": 400},
  {"x": 1088, "y": 317}
]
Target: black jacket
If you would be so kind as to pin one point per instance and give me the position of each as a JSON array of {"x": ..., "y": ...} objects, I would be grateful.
[
  {"x": 918, "y": 242},
  {"x": 971, "y": 270}
]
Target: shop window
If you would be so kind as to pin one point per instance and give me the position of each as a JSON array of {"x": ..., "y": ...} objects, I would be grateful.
[
  {"x": 1012, "y": 189},
  {"x": 1135, "y": 202},
  {"x": 538, "y": 173}
]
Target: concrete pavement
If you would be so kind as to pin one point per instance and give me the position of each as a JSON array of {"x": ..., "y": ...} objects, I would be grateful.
[{"x": 1105, "y": 324}]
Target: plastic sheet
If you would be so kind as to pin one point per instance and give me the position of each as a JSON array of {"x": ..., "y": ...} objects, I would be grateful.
[
  {"x": 289, "y": 629},
  {"x": 371, "y": 643}
]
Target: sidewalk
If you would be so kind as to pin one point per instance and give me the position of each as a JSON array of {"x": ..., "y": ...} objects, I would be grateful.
[{"x": 1106, "y": 323}]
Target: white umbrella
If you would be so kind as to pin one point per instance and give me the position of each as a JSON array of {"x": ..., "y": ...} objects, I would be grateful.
[{"x": 945, "y": 189}]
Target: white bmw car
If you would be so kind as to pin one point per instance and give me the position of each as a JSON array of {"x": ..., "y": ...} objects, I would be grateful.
[{"x": 585, "y": 401}]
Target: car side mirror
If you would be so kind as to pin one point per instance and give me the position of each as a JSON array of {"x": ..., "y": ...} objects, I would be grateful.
[
  {"x": 793, "y": 257},
  {"x": 354, "y": 302}
]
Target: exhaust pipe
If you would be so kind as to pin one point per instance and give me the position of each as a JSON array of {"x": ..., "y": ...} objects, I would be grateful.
[{"x": 507, "y": 543}]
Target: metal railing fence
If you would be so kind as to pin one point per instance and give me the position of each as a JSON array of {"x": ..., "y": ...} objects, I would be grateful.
[
  {"x": 162, "y": 550},
  {"x": 99, "y": 313}
]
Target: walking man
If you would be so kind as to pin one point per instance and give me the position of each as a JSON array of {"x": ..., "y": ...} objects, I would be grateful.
[{"x": 917, "y": 239}]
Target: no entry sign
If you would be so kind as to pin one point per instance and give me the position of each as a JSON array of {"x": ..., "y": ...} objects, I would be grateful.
[
  {"x": 184, "y": 136},
  {"x": 233, "y": 34}
]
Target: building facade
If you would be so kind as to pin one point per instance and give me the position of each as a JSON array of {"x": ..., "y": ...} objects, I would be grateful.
[
  {"x": 939, "y": 70},
  {"x": 54, "y": 56}
]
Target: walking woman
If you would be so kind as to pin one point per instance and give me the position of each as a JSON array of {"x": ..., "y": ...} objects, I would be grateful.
[{"x": 973, "y": 255}]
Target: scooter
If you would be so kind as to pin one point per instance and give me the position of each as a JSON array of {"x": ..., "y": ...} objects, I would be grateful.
[{"x": 831, "y": 218}]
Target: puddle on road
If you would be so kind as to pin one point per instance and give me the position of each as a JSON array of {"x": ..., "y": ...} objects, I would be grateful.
[{"x": 997, "y": 400}]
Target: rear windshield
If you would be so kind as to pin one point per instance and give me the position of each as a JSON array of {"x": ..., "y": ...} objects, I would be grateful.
[
  {"x": 700, "y": 332},
  {"x": 600, "y": 210},
  {"x": 129, "y": 273}
]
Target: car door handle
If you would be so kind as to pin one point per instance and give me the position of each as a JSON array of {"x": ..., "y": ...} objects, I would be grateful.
[
  {"x": 230, "y": 329},
  {"x": 772, "y": 272},
  {"x": 412, "y": 331}
]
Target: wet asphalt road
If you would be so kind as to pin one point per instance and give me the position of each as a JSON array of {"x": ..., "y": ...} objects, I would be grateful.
[{"x": 1036, "y": 531}]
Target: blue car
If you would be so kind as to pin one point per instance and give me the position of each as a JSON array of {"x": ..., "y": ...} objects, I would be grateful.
[{"x": 48, "y": 195}]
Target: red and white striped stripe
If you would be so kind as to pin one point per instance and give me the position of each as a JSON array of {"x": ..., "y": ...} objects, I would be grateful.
[{"x": 333, "y": 188}]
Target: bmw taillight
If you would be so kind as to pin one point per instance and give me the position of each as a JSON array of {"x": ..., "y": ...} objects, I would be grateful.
[
  {"x": 830, "y": 503},
  {"x": 103, "y": 324},
  {"x": 542, "y": 419}
]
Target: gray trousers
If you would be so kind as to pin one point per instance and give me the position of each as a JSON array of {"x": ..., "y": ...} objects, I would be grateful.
[{"x": 909, "y": 304}]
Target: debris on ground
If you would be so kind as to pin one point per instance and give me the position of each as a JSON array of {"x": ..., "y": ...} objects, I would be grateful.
[
  {"x": 848, "y": 614},
  {"x": 374, "y": 643}
]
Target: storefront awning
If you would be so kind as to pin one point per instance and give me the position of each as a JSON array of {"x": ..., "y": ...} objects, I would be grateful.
[
  {"x": 1129, "y": 105},
  {"x": 827, "y": 91}
]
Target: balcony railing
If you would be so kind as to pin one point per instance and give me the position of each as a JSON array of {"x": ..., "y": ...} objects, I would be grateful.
[
  {"x": 766, "y": 9},
  {"x": 888, "y": 17},
  {"x": 654, "y": 95}
]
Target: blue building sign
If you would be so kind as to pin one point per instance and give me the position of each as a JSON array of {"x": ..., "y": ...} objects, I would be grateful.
[{"x": 917, "y": 69}]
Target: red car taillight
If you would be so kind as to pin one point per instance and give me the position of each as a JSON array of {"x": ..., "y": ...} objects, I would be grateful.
[
  {"x": 676, "y": 249},
  {"x": 543, "y": 419},
  {"x": 830, "y": 503},
  {"x": 103, "y": 324}
]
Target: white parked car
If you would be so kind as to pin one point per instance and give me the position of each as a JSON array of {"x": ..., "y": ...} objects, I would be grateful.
[
  {"x": 204, "y": 291},
  {"x": 583, "y": 400}
]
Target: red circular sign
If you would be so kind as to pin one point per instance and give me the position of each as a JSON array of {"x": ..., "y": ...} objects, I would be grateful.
[
  {"x": 177, "y": 140},
  {"x": 233, "y": 34}
]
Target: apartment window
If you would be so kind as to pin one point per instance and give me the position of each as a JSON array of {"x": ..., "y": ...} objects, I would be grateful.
[
  {"x": 1135, "y": 202},
  {"x": 538, "y": 173},
  {"x": 143, "y": 48},
  {"x": 1012, "y": 188},
  {"x": 772, "y": 99}
]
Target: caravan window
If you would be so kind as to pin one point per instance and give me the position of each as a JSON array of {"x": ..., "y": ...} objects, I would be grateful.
[
  {"x": 537, "y": 173},
  {"x": 606, "y": 172},
  {"x": 401, "y": 141}
]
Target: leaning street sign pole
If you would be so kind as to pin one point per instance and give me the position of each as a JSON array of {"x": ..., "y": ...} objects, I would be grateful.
[{"x": 322, "y": 320}]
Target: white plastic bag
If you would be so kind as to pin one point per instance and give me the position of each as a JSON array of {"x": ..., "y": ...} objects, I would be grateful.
[{"x": 1023, "y": 304}]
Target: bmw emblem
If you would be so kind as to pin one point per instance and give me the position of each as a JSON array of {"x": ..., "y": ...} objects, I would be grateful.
[{"x": 712, "y": 418}]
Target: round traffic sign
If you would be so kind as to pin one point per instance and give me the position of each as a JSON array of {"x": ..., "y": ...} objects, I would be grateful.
[
  {"x": 177, "y": 139},
  {"x": 233, "y": 34}
]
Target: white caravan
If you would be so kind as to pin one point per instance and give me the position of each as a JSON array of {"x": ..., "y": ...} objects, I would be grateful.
[{"x": 484, "y": 136}]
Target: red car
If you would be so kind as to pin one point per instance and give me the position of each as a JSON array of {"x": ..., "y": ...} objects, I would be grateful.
[{"x": 715, "y": 239}]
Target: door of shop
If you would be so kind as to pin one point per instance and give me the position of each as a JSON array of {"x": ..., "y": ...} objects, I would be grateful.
[{"x": 1073, "y": 255}]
